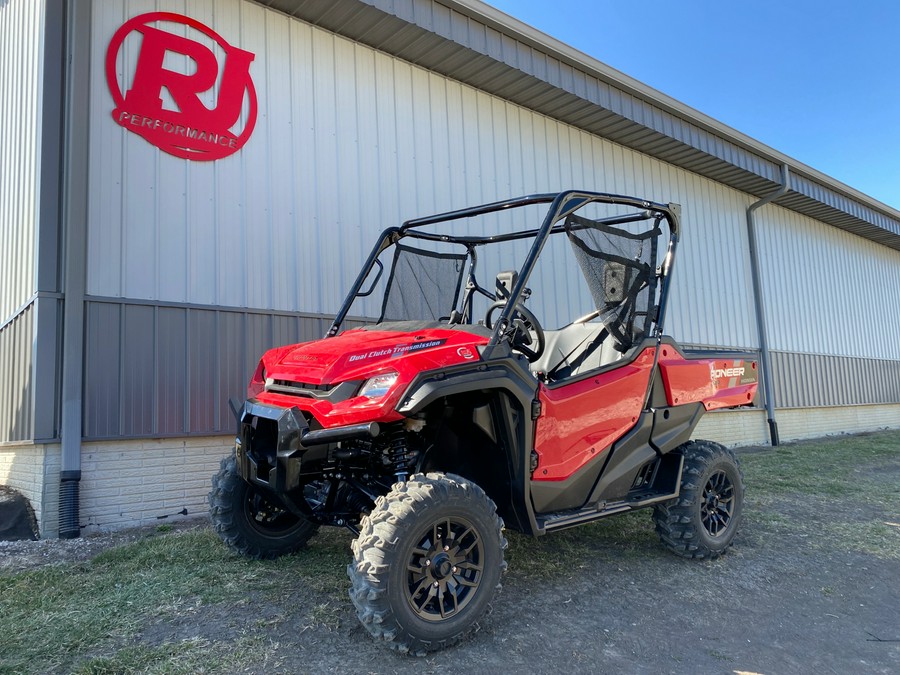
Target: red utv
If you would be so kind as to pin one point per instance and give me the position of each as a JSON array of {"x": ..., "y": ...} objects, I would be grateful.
[{"x": 457, "y": 410}]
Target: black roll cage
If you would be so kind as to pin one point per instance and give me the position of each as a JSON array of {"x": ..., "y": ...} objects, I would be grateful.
[{"x": 562, "y": 204}]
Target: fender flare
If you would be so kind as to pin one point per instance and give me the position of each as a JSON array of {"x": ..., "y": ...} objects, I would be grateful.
[{"x": 505, "y": 375}]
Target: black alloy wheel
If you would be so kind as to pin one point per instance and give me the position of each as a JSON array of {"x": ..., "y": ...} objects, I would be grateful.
[
  {"x": 718, "y": 503},
  {"x": 445, "y": 569},
  {"x": 703, "y": 520},
  {"x": 427, "y": 562},
  {"x": 266, "y": 518}
]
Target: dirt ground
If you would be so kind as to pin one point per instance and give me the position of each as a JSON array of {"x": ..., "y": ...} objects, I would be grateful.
[{"x": 781, "y": 601}]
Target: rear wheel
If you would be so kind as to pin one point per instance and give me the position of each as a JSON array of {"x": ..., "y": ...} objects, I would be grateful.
[
  {"x": 250, "y": 523},
  {"x": 703, "y": 520},
  {"x": 427, "y": 562}
]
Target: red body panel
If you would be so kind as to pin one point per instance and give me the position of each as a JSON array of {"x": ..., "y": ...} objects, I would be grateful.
[
  {"x": 580, "y": 421},
  {"x": 717, "y": 383},
  {"x": 358, "y": 355}
]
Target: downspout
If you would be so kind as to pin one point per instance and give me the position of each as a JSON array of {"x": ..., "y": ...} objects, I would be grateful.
[
  {"x": 759, "y": 304},
  {"x": 73, "y": 217}
]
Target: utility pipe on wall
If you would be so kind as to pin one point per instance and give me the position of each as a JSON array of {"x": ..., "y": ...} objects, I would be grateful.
[
  {"x": 74, "y": 230},
  {"x": 759, "y": 304}
]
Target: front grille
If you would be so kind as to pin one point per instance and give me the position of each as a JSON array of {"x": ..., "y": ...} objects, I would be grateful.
[{"x": 300, "y": 388}]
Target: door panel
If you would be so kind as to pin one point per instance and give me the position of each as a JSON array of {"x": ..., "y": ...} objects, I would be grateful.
[{"x": 582, "y": 419}]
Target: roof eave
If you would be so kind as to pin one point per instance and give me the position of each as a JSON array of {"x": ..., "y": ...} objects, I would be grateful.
[{"x": 520, "y": 64}]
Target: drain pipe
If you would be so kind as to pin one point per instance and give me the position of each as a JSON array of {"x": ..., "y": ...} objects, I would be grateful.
[
  {"x": 74, "y": 277},
  {"x": 759, "y": 304}
]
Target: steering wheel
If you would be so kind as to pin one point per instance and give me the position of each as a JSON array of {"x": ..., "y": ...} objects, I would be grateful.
[{"x": 525, "y": 329}]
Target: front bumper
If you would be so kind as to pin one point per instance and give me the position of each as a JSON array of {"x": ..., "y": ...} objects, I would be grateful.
[
  {"x": 268, "y": 447},
  {"x": 272, "y": 443}
]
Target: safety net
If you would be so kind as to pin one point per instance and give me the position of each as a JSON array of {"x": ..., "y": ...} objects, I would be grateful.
[{"x": 620, "y": 269}]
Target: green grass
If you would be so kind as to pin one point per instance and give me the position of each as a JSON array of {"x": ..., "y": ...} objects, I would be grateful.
[
  {"x": 54, "y": 615},
  {"x": 837, "y": 494},
  {"x": 624, "y": 536},
  {"x": 840, "y": 494},
  {"x": 832, "y": 467},
  {"x": 186, "y": 657}
]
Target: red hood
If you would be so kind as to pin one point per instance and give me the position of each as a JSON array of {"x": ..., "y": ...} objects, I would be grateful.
[{"x": 357, "y": 354}]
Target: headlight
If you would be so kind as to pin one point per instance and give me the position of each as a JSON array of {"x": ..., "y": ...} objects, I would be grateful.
[
  {"x": 258, "y": 382},
  {"x": 378, "y": 386}
]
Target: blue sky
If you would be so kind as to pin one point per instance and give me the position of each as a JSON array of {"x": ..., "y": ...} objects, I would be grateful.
[{"x": 818, "y": 81}]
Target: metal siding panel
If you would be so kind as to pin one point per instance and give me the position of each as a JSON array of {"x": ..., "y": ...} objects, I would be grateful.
[
  {"x": 280, "y": 182},
  {"x": 285, "y": 330},
  {"x": 455, "y": 184},
  {"x": 822, "y": 283},
  {"x": 232, "y": 349},
  {"x": 47, "y": 357},
  {"x": 440, "y": 149},
  {"x": 108, "y": 163},
  {"x": 310, "y": 329},
  {"x": 138, "y": 369},
  {"x": 498, "y": 149},
  {"x": 102, "y": 364},
  {"x": 813, "y": 380},
  {"x": 307, "y": 231},
  {"x": 325, "y": 103},
  {"x": 16, "y": 388},
  {"x": 223, "y": 232},
  {"x": 171, "y": 383},
  {"x": 422, "y": 162},
  {"x": 21, "y": 66},
  {"x": 259, "y": 339},
  {"x": 260, "y": 254},
  {"x": 203, "y": 369}
]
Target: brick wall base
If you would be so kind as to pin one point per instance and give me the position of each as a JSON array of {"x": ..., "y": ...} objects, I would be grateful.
[
  {"x": 748, "y": 427},
  {"x": 22, "y": 467},
  {"x": 129, "y": 483},
  {"x": 123, "y": 483}
]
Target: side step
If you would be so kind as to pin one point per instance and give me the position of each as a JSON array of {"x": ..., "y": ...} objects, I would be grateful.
[
  {"x": 667, "y": 484},
  {"x": 563, "y": 519}
]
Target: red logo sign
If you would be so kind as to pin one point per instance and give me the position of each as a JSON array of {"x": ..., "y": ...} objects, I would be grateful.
[{"x": 183, "y": 124}]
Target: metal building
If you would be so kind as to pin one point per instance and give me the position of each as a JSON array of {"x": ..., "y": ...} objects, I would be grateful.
[{"x": 185, "y": 183}]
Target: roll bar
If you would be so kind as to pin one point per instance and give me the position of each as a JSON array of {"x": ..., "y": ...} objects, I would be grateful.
[{"x": 562, "y": 204}]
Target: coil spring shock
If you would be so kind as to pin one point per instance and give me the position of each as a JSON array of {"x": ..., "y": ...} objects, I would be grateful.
[{"x": 399, "y": 453}]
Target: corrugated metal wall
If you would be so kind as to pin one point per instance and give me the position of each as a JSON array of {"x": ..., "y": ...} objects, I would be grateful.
[
  {"x": 815, "y": 380},
  {"x": 16, "y": 389},
  {"x": 349, "y": 140},
  {"x": 169, "y": 370},
  {"x": 21, "y": 30},
  {"x": 832, "y": 313},
  {"x": 830, "y": 291}
]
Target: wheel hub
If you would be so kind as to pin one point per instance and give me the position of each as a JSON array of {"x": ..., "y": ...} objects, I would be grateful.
[{"x": 441, "y": 566}]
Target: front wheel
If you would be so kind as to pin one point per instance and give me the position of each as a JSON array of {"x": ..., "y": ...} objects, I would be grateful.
[
  {"x": 427, "y": 562},
  {"x": 702, "y": 521},
  {"x": 248, "y": 522}
]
